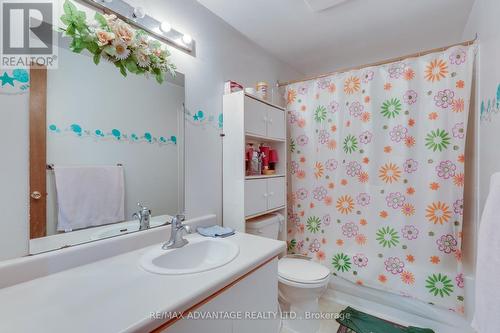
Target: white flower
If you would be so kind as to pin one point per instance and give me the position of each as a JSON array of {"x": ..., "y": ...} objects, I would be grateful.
[
  {"x": 121, "y": 50},
  {"x": 143, "y": 59}
]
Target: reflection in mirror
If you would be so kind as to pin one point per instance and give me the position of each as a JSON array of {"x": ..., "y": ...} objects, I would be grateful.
[{"x": 103, "y": 144}]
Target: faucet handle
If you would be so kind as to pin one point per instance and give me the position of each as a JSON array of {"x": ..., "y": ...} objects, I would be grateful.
[
  {"x": 180, "y": 217},
  {"x": 143, "y": 208}
]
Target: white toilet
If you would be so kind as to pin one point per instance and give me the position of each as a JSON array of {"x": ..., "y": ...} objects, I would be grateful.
[{"x": 301, "y": 281}]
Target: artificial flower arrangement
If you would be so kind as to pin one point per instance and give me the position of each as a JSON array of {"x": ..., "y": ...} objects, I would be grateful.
[{"x": 113, "y": 39}]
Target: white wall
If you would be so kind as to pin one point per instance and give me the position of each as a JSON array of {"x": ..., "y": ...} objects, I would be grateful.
[
  {"x": 222, "y": 54},
  {"x": 484, "y": 21},
  {"x": 99, "y": 97}
]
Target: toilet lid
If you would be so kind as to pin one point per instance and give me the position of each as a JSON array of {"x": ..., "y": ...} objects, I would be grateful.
[{"x": 301, "y": 270}]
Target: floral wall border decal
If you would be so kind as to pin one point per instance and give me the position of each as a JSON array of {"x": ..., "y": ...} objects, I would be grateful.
[{"x": 113, "y": 134}]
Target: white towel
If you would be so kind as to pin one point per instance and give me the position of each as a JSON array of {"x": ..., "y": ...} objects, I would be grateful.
[
  {"x": 487, "y": 291},
  {"x": 89, "y": 196}
]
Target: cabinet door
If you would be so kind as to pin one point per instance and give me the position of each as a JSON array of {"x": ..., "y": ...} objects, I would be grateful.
[
  {"x": 221, "y": 303},
  {"x": 276, "y": 192},
  {"x": 255, "y": 196},
  {"x": 276, "y": 123},
  {"x": 255, "y": 117}
]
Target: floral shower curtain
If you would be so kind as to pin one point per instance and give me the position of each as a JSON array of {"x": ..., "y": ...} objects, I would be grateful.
[{"x": 377, "y": 174}]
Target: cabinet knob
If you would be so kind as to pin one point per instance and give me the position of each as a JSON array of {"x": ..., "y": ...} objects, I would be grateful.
[
  {"x": 264, "y": 119},
  {"x": 36, "y": 195},
  {"x": 272, "y": 193},
  {"x": 271, "y": 120},
  {"x": 265, "y": 195}
]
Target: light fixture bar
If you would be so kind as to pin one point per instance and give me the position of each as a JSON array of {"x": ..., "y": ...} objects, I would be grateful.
[{"x": 147, "y": 23}]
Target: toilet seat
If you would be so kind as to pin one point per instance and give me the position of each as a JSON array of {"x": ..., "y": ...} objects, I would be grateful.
[{"x": 303, "y": 273}]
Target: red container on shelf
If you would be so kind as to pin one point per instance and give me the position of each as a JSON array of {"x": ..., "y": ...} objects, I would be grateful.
[{"x": 265, "y": 155}]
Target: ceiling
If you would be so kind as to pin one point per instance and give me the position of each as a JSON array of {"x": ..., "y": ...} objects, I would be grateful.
[{"x": 318, "y": 36}]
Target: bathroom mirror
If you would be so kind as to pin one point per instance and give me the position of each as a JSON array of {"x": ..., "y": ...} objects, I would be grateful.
[{"x": 101, "y": 143}]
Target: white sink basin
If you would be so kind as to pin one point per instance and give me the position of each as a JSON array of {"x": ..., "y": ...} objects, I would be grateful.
[{"x": 199, "y": 255}]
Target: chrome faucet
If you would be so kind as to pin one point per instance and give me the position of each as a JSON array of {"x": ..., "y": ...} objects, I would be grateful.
[
  {"x": 176, "y": 240},
  {"x": 143, "y": 215}
]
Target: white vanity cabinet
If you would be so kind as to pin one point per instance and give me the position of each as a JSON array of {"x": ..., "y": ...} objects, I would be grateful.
[
  {"x": 250, "y": 120},
  {"x": 249, "y": 298}
]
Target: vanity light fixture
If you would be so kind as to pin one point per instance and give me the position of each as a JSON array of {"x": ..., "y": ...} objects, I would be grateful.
[
  {"x": 139, "y": 12},
  {"x": 187, "y": 39},
  {"x": 165, "y": 27},
  {"x": 137, "y": 17}
]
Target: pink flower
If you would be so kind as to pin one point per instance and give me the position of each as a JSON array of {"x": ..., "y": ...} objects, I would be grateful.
[
  {"x": 302, "y": 193},
  {"x": 409, "y": 232},
  {"x": 327, "y": 219},
  {"x": 319, "y": 193},
  {"x": 355, "y": 109},
  {"x": 396, "y": 70},
  {"x": 394, "y": 265},
  {"x": 410, "y": 97},
  {"x": 350, "y": 229},
  {"x": 458, "y": 57},
  {"x": 446, "y": 169},
  {"x": 447, "y": 244},
  {"x": 395, "y": 200},
  {"x": 333, "y": 107},
  {"x": 459, "y": 131},
  {"x": 323, "y": 136},
  {"x": 302, "y": 90},
  {"x": 398, "y": 133},
  {"x": 368, "y": 76},
  {"x": 365, "y": 137},
  {"x": 353, "y": 168},
  {"x": 302, "y": 140},
  {"x": 360, "y": 260},
  {"x": 444, "y": 98},
  {"x": 323, "y": 83},
  {"x": 363, "y": 199},
  {"x": 410, "y": 165},
  {"x": 314, "y": 246},
  {"x": 331, "y": 164},
  {"x": 459, "y": 279},
  {"x": 458, "y": 207}
]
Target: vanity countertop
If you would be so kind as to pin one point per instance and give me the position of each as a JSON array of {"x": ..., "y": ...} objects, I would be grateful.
[{"x": 117, "y": 295}]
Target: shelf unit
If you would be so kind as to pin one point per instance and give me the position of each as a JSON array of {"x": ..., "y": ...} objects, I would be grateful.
[{"x": 248, "y": 119}]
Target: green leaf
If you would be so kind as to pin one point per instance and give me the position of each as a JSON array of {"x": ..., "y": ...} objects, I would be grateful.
[
  {"x": 110, "y": 50},
  {"x": 131, "y": 65},
  {"x": 93, "y": 47},
  {"x": 69, "y": 8},
  {"x": 70, "y": 30},
  {"x": 101, "y": 20},
  {"x": 123, "y": 70},
  {"x": 97, "y": 58},
  {"x": 65, "y": 19},
  {"x": 159, "y": 78}
]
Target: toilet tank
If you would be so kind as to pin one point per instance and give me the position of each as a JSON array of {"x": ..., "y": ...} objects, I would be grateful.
[{"x": 268, "y": 225}]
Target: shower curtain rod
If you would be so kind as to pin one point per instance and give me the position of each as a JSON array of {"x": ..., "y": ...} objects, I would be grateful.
[{"x": 383, "y": 62}]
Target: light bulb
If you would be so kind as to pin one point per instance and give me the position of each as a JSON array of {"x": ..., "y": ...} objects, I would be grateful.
[
  {"x": 165, "y": 27},
  {"x": 187, "y": 39},
  {"x": 139, "y": 12}
]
